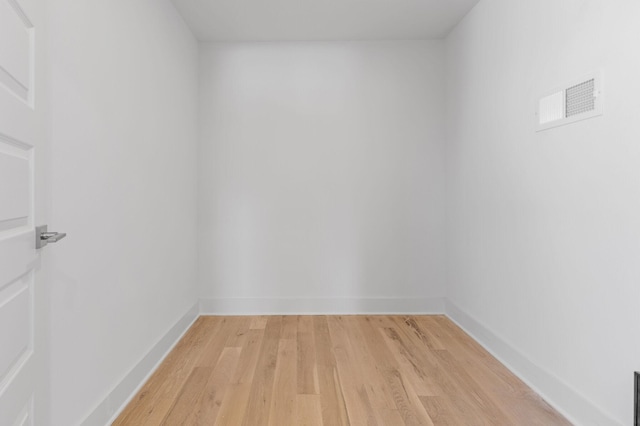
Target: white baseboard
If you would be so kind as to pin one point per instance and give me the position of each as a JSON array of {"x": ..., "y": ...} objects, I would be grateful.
[
  {"x": 107, "y": 411},
  {"x": 321, "y": 306},
  {"x": 576, "y": 408}
]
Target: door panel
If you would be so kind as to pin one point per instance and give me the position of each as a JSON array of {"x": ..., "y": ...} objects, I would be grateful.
[
  {"x": 23, "y": 303},
  {"x": 15, "y": 185},
  {"x": 16, "y": 41},
  {"x": 16, "y": 311}
]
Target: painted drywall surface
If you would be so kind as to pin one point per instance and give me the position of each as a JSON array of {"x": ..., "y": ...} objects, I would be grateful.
[
  {"x": 321, "y": 170},
  {"x": 124, "y": 112},
  {"x": 544, "y": 228}
]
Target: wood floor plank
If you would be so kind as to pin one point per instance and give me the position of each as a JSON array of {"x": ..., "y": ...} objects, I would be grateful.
[
  {"x": 308, "y": 410},
  {"x": 238, "y": 339},
  {"x": 352, "y": 379},
  {"x": 409, "y": 405},
  {"x": 466, "y": 406},
  {"x": 440, "y": 410},
  {"x": 377, "y": 388},
  {"x": 152, "y": 417},
  {"x": 430, "y": 337},
  {"x": 205, "y": 410},
  {"x": 307, "y": 377},
  {"x": 249, "y": 357},
  {"x": 473, "y": 392},
  {"x": 334, "y": 411},
  {"x": 188, "y": 397},
  {"x": 359, "y": 409},
  {"x": 411, "y": 365},
  {"x": 391, "y": 417},
  {"x": 283, "y": 401},
  {"x": 259, "y": 323},
  {"x": 333, "y": 371},
  {"x": 227, "y": 329},
  {"x": 406, "y": 400},
  {"x": 232, "y": 409},
  {"x": 259, "y": 402},
  {"x": 289, "y": 327}
]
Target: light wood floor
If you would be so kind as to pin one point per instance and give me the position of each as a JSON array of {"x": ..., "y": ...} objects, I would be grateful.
[{"x": 331, "y": 371}]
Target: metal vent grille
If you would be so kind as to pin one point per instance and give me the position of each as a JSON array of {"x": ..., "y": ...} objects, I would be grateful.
[
  {"x": 578, "y": 100},
  {"x": 581, "y": 98}
]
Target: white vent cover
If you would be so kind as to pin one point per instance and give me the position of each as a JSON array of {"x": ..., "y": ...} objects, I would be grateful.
[{"x": 577, "y": 101}]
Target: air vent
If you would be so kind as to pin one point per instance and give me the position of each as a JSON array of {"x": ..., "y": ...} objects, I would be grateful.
[
  {"x": 581, "y": 98},
  {"x": 577, "y": 101}
]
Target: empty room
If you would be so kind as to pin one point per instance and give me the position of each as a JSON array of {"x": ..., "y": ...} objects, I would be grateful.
[{"x": 319, "y": 213}]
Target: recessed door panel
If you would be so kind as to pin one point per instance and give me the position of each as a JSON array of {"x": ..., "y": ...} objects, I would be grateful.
[
  {"x": 15, "y": 326},
  {"x": 15, "y": 187},
  {"x": 15, "y": 49}
]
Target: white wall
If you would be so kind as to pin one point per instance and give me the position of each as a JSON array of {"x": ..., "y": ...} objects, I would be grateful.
[
  {"x": 124, "y": 111},
  {"x": 321, "y": 176},
  {"x": 544, "y": 228}
]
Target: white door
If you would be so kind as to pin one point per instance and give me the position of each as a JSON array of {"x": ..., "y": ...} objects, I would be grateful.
[{"x": 23, "y": 160}]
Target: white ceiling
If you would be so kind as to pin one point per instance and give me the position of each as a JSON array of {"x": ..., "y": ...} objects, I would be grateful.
[{"x": 266, "y": 20}]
